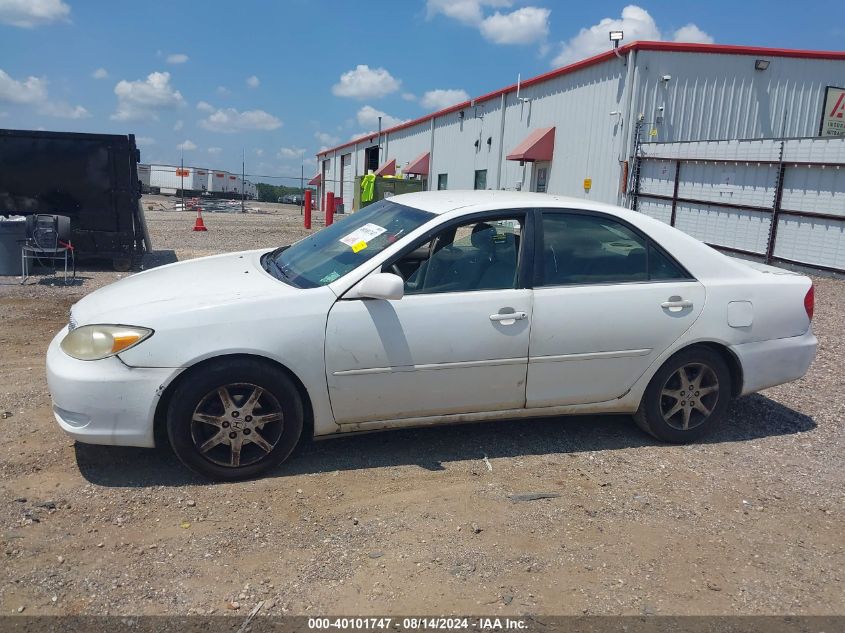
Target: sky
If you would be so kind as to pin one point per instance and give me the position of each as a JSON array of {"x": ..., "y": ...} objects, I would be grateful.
[{"x": 274, "y": 82}]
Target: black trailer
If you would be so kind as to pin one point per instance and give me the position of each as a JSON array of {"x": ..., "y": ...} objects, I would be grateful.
[{"x": 91, "y": 178}]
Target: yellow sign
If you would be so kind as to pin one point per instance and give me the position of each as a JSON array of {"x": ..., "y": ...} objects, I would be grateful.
[
  {"x": 588, "y": 184},
  {"x": 653, "y": 132},
  {"x": 359, "y": 246}
]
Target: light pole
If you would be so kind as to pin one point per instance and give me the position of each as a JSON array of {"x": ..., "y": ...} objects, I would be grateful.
[{"x": 182, "y": 173}]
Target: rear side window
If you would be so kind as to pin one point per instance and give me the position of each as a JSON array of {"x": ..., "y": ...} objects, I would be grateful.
[{"x": 585, "y": 249}]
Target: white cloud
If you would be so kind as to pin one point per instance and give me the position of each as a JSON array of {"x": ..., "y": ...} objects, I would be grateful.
[
  {"x": 205, "y": 106},
  {"x": 691, "y": 33},
  {"x": 224, "y": 91},
  {"x": 177, "y": 58},
  {"x": 30, "y": 13},
  {"x": 29, "y": 90},
  {"x": 259, "y": 152},
  {"x": 214, "y": 150},
  {"x": 465, "y": 11},
  {"x": 230, "y": 120},
  {"x": 33, "y": 91},
  {"x": 523, "y": 26},
  {"x": 325, "y": 138},
  {"x": 100, "y": 73},
  {"x": 636, "y": 23},
  {"x": 253, "y": 81},
  {"x": 290, "y": 152},
  {"x": 178, "y": 125},
  {"x": 142, "y": 99},
  {"x": 366, "y": 83},
  {"x": 63, "y": 110},
  {"x": 144, "y": 141},
  {"x": 368, "y": 116},
  {"x": 186, "y": 145},
  {"x": 440, "y": 98},
  {"x": 409, "y": 96}
]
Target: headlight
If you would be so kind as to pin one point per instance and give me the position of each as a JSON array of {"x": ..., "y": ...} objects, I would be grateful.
[{"x": 93, "y": 342}]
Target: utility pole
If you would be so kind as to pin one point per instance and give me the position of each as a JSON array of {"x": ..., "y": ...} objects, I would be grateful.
[
  {"x": 301, "y": 186},
  {"x": 243, "y": 176}
]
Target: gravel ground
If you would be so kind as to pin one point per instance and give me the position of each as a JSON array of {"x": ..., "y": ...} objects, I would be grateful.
[{"x": 749, "y": 521}]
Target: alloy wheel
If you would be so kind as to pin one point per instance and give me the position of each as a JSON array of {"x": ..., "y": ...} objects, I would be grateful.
[
  {"x": 689, "y": 396},
  {"x": 237, "y": 424}
]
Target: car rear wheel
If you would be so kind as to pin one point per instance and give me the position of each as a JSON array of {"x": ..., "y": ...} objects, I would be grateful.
[
  {"x": 687, "y": 397},
  {"x": 235, "y": 419}
]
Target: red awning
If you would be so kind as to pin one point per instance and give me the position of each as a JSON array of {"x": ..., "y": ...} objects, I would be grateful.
[
  {"x": 315, "y": 180},
  {"x": 539, "y": 145},
  {"x": 388, "y": 169},
  {"x": 419, "y": 165}
]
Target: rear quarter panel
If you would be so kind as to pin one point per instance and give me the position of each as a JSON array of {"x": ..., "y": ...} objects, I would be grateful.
[{"x": 776, "y": 308}]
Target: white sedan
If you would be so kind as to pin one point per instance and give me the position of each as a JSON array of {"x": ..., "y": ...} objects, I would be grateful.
[{"x": 427, "y": 308}]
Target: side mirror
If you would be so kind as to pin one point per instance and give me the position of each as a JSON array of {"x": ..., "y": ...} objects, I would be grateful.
[{"x": 378, "y": 286}]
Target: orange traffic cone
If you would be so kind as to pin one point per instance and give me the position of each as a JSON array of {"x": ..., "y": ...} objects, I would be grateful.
[{"x": 199, "y": 225}]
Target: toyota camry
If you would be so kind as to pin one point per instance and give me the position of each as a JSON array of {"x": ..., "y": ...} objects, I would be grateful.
[{"x": 423, "y": 309}]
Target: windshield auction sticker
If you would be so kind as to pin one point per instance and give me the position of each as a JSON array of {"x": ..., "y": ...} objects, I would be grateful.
[{"x": 358, "y": 239}]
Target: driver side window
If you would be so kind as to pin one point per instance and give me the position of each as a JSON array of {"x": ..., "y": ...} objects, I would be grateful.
[{"x": 478, "y": 255}]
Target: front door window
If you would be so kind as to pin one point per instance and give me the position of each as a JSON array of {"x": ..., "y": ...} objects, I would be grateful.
[{"x": 478, "y": 255}]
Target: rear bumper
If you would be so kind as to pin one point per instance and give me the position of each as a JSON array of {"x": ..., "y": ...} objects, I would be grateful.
[
  {"x": 104, "y": 401},
  {"x": 774, "y": 362}
]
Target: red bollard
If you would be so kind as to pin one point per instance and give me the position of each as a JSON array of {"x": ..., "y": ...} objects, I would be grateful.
[
  {"x": 329, "y": 208},
  {"x": 307, "y": 208}
]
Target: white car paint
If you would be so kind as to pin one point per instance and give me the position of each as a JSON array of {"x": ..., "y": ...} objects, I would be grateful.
[{"x": 427, "y": 359}]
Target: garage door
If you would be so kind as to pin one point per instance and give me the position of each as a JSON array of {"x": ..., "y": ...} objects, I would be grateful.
[{"x": 348, "y": 182}]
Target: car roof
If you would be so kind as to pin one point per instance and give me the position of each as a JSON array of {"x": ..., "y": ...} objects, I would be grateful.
[{"x": 451, "y": 200}]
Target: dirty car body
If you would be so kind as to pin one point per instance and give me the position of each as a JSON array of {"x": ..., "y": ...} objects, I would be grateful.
[{"x": 428, "y": 308}]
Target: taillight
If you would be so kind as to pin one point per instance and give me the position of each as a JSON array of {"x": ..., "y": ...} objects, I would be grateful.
[{"x": 810, "y": 302}]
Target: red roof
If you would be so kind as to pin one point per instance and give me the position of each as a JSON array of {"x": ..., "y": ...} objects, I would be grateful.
[
  {"x": 316, "y": 179},
  {"x": 676, "y": 47},
  {"x": 387, "y": 169},
  {"x": 419, "y": 165},
  {"x": 539, "y": 145}
]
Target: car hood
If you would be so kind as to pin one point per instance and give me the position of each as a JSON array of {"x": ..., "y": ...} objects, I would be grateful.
[{"x": 195, "y": 284}]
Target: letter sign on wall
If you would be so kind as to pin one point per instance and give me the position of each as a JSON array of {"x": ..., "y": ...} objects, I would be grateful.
[{"x": 833, "y": 115}]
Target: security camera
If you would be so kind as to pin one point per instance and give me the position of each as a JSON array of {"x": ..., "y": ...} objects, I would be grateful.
[{"x": 666, "y": 78}]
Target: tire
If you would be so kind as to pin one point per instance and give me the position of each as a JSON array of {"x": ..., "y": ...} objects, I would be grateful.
[
  {"x": 666, "y": 410},
  {"x": 217, "y": 410},
  {"x": 121, "y": 264}
]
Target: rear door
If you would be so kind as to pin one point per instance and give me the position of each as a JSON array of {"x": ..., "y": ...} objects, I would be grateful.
[{"x": 607, "y": 302}]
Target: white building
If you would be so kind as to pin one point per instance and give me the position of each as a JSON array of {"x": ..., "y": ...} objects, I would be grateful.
[{"x": 575, "y": 130}]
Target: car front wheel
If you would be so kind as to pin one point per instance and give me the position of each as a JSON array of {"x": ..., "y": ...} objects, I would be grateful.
[
  {"x": 687, "y": 396},
  {"x": 234, "y": 419}
]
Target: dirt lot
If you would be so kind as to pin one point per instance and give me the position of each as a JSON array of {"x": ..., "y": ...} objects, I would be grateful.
[{"x": 748, "y": 522}]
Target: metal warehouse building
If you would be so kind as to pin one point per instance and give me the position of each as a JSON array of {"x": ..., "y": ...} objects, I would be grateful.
[{"x": 741, "y": 147}]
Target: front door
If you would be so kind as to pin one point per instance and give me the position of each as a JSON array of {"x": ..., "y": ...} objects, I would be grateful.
[
  {"x": 608, "y": 304},
  {"x": 457, "y": 342}
]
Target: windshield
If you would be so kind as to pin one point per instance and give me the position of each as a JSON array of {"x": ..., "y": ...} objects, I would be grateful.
[{"x": 329, "y": 254}]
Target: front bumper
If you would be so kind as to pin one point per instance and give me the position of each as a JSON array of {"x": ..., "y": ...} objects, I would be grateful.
[
  {"x": 776, "y": 361},
  {"x": 104, "y": 401}
]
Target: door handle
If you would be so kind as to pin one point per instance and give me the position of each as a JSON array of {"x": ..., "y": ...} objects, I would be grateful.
[
  {"x": 676, "y": 303},
  {"x": 508, "y": 316}
]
